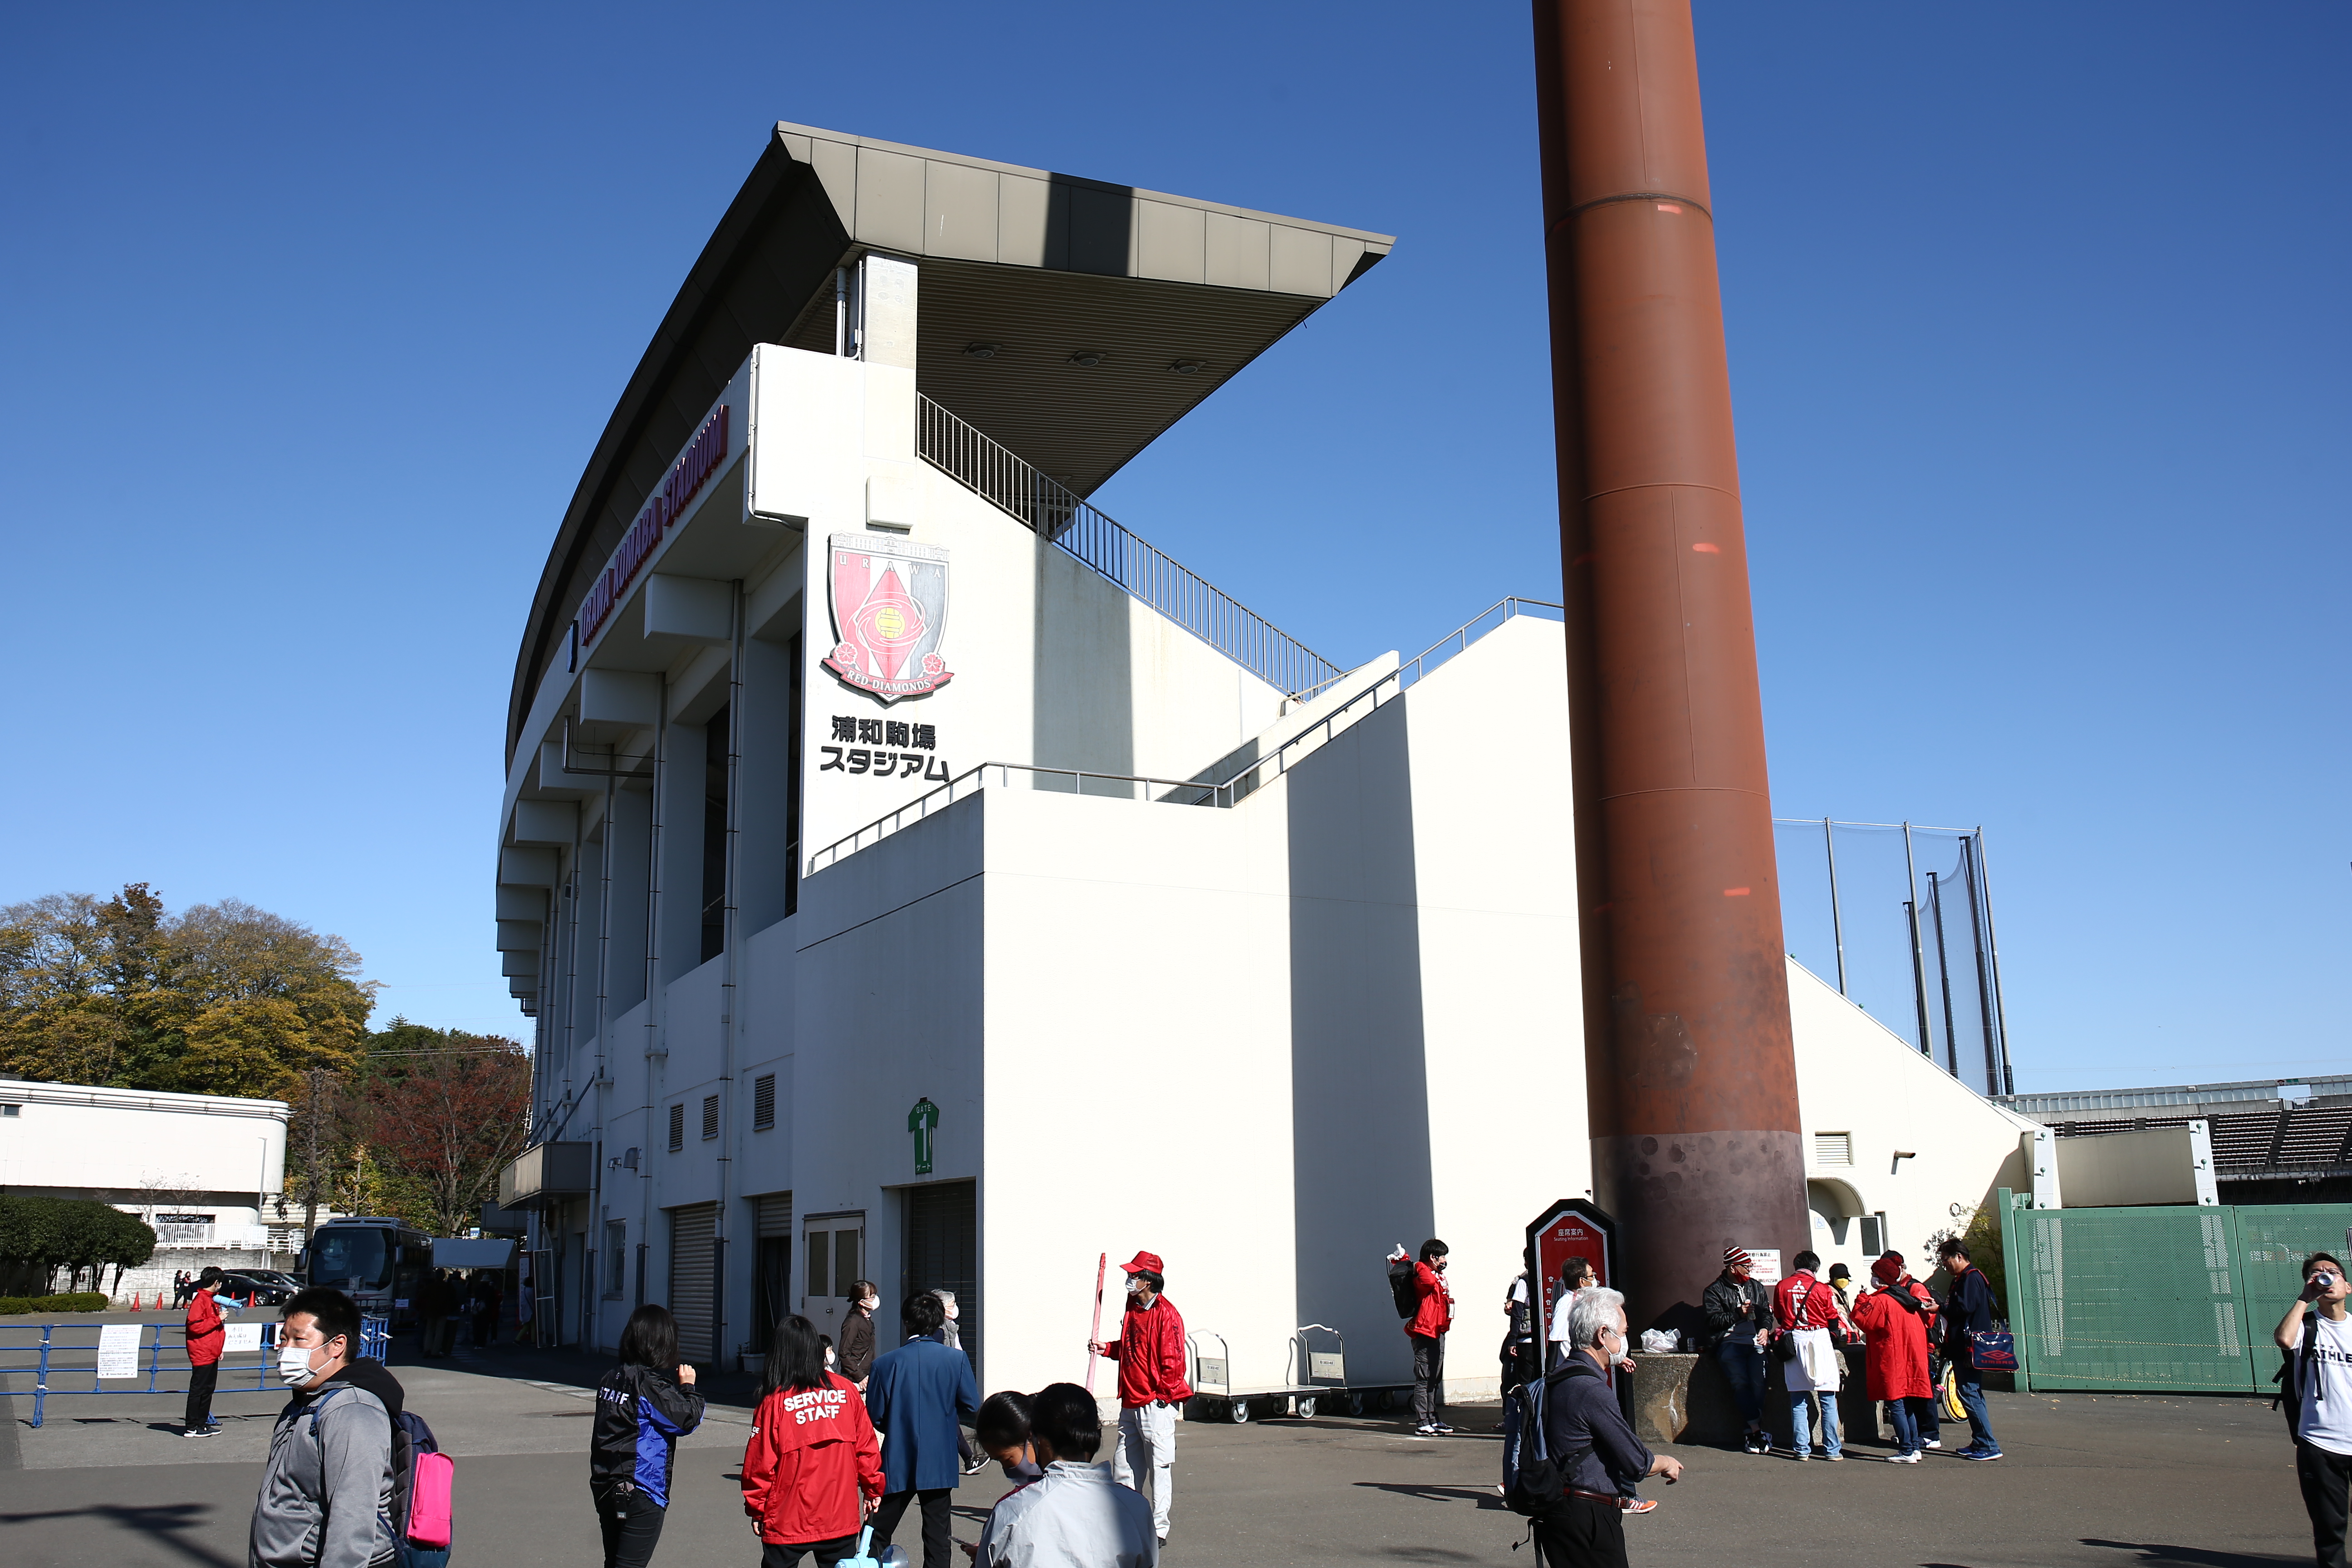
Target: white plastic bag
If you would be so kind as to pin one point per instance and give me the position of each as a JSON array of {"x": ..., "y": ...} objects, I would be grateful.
[{"x": 1659, "y": 1342}]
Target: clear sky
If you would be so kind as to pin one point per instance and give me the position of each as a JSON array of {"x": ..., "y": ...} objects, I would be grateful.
[{"x": 2038, "y": 331}]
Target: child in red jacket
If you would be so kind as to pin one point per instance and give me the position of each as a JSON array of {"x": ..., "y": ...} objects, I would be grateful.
[
  {"x": 813, "y": 1471},
  {"x": 206, "y": 1336}
]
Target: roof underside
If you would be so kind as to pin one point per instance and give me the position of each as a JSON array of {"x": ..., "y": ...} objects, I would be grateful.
[{"x": 1043, "y": 266}]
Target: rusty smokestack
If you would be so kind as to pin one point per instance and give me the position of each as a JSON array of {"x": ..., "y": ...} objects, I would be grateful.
[{"x": 1695, "y": 1137}]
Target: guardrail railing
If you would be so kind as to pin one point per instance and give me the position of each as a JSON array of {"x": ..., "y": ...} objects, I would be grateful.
[
  {"x": 1014, "y": 486},
  {"x": 1226, "y": 792}
]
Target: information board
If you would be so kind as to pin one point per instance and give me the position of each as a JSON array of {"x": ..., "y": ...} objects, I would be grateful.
[
  {"x": 241, "y": 1337},
  {"x": 117, "y": 1349}
]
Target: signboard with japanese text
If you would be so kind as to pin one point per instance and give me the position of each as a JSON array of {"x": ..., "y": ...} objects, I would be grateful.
[
  {"x": 117, "y": 1349},
  {"x": 1573, "y": 1228}
]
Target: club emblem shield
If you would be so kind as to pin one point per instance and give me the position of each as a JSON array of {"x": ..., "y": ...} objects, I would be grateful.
[{"x": 889, "y": 611}]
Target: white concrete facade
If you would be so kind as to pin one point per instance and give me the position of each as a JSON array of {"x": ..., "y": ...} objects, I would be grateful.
[
  {"x": 204, "y": 1170},
  {"x": 1267, "y": 1037}
]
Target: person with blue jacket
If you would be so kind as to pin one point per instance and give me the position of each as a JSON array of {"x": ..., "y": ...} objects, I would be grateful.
[
  {"x": 642, "y": 1407},
  {"x": 919, "y": 1395}
]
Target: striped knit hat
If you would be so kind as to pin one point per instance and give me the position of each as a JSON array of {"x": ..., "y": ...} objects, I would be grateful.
[{"x": 1737, "y": 1258}]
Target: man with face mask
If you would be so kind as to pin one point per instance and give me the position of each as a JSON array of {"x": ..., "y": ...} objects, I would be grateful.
[
  {"x": 326, "y": 1492},
  {"x": 1151, "y": 1356}
]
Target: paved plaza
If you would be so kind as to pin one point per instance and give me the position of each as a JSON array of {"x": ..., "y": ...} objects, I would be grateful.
[{"x": 2107, "y": 1480}]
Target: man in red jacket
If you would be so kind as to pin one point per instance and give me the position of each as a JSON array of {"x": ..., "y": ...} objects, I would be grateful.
[
  {"x": 206, "y": 1336},
  {"x": 1151, "y": 1356},
  {"x": 1431, "y": 1318}
]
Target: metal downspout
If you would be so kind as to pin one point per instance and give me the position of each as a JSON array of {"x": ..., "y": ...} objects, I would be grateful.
[
  {"x": 589, "y": 1294},
  {"x": 656, "y": 999},
  {"x": 730, "y": 965}
]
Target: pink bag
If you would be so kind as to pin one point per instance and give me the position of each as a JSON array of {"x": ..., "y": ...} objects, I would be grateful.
[{"x": 430, "y": 1501}]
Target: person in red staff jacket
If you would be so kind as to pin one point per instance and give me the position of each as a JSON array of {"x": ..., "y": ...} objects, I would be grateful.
[
  {"x": 813, "y": 1471},
  {"x": 206, "y": 1336},
  {"x": 1151, "y": 1356},
  {"x": 1430, "y": 1318}
]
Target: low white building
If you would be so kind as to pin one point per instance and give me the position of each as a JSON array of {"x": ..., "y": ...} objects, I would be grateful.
[
  {"x": 205, "y": 1170},
  {"x": 917, "y": 877}
]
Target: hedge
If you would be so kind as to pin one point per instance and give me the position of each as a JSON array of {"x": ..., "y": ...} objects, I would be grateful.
[
  {"x": 78, "y": 1302},
  {"x": 51, "y": 1233}
]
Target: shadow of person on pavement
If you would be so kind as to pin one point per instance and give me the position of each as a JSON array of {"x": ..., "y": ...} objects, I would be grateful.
[
  {"x": 2194, "y": 1557},
  {"x": 159, "y": 1522},
  {"x": 1482, "y": 1496}
]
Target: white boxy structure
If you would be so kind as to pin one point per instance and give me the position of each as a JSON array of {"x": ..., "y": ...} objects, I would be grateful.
[
  {"x": 205, "y": 1170},
  {"x": 916, "y": 877}
]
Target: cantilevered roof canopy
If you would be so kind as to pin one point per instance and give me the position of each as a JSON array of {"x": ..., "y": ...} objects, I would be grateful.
[{"x": 1165, "y": 295}]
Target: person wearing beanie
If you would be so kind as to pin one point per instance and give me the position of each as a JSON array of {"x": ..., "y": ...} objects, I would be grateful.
[
  {"x": 1894, "y": 1318},
  {"x": 1738, "y": 1325}
]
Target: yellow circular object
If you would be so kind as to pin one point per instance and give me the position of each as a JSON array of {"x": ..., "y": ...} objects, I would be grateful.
[{"x": 890, "y": 623}]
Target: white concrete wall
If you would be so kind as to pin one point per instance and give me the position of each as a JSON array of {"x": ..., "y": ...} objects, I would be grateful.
[
  {"x": 123, "y": 1143},
  {"x": 1856, "y": 1076},
  {"x": 2157, "y": 1165}
]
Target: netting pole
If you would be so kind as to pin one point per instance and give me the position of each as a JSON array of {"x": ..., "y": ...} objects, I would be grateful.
[
  {"x": 1919, "y": 958},
  {"x": 1992, "y": 947},
  {"x": 1837, "y": 926}
]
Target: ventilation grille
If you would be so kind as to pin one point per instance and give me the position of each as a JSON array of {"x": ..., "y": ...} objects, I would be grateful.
[
  {"x": 763, "y": 1101},
  {"x": 1832, "y": 1148},
  {"x": 710, "y": 1116},
  {"x": 677, "y": 1126}
]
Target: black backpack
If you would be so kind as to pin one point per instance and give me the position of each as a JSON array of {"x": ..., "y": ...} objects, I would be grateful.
[
  {"x": 1534, "y": 1478},
  {"x": 2289, "y": 1376},
  {"x": 1404, "y": 1288}
]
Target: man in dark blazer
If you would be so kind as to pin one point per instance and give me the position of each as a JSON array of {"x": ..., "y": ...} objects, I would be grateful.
[{"x": 918, "y": 1396}]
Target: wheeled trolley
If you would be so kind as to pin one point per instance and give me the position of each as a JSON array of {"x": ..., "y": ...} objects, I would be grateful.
[{"x": 1316, "y": 1369}]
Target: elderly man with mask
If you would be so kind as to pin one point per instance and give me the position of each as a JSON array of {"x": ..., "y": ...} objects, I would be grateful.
[
  {"x": 1587, "y": 1432},
  {"x": 326, "y": 1491}
]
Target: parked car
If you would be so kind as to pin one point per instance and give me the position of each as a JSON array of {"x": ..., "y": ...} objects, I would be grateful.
[{"x": 267, "y": 1287}]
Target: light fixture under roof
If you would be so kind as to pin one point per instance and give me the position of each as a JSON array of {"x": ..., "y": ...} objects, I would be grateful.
[
  {"x": 1087, "y": 359},
  {"x": 1187, "y": 366},
  {"x": 981, "y": 351}
]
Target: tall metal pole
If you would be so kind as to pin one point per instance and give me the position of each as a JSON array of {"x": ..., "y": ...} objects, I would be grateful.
[
  {"x": 1691, "y": 1071},
  {"x": 1944, "y": 974},
  {"x": 1992, "y": 947},
  {"x": 1919, "y": 954},
  {"x": 1973, "y": 869},
  {"x": 1837, "y": 925}
]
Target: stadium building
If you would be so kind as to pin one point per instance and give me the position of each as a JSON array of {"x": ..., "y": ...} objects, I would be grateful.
[{"x": 916, "y": 876}]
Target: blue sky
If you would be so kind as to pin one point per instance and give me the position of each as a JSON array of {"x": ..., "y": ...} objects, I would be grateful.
[{"x": 2037, "y": 332}]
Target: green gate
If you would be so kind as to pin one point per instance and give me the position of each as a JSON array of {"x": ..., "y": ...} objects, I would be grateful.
[{"x": 2173, "y": 1297}]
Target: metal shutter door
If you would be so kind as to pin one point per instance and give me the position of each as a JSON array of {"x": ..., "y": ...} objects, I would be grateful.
[
  {"x": 775, "y": 1213},
  {"x": 690, "y": 1242},
  {"x": 943, "y": 1252}
]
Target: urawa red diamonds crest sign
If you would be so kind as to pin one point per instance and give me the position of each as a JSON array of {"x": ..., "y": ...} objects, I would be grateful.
[{"x": 889, "y": 611}]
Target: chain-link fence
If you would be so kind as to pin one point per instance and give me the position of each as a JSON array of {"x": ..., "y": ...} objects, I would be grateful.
[{"x": 1899, "y": 918}]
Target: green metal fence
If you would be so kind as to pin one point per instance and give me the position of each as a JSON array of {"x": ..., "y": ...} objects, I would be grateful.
[{"x": 2175, "y": 1297}]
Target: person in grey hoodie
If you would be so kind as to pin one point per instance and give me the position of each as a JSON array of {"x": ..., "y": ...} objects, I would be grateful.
[{"x": 326, "y": 1492}]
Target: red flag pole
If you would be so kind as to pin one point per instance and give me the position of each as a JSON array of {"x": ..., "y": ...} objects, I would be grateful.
[{"x": 1102, "y": 1268}]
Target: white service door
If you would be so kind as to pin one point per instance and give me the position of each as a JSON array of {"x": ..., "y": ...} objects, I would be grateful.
[{"x": 832, "y": 1259}]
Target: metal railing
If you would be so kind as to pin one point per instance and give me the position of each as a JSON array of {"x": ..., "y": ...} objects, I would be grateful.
[
  {"x": 1054, "y": 511},
  {"x": 1204, "y": 791}
]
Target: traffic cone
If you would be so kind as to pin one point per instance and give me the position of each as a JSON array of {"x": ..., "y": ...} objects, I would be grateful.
[{"x": 134, "y": 1301}]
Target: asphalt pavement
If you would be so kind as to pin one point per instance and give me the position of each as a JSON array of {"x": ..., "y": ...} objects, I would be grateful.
[{"x": 2115, "y": 1480}]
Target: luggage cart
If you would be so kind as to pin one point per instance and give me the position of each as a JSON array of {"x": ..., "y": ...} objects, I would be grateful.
[{"x": 1317, "y": 1369}]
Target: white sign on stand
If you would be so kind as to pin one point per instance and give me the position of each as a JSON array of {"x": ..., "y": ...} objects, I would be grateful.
[
  {"x": 117, "y": 1349},
  {"x": 1765, "y": 1264},
  {"x": 241, "y": 1337}
]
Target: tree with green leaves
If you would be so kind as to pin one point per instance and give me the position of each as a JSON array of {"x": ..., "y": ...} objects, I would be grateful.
[{"x": 220, "y": 999}]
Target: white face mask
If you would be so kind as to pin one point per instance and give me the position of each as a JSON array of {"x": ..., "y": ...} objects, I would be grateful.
[{"x": 294, "y": 1365}]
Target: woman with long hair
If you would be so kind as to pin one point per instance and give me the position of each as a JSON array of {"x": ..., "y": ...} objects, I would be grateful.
[
  {"x": 642, "y": 1407},
  {"x": 813, "y": 1469}
]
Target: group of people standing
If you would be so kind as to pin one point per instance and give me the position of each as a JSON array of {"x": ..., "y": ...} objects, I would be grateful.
[
  {"x": 1810, "y": 1321},
  {"x": 844, "y": 1440},
  {"x": 447, "y": 1297}
]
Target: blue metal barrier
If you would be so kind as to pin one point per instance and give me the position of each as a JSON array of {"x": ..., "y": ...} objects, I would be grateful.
[
  {"x": 375, "y": 1338},
  {"x": 154, "y": 1339}
]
